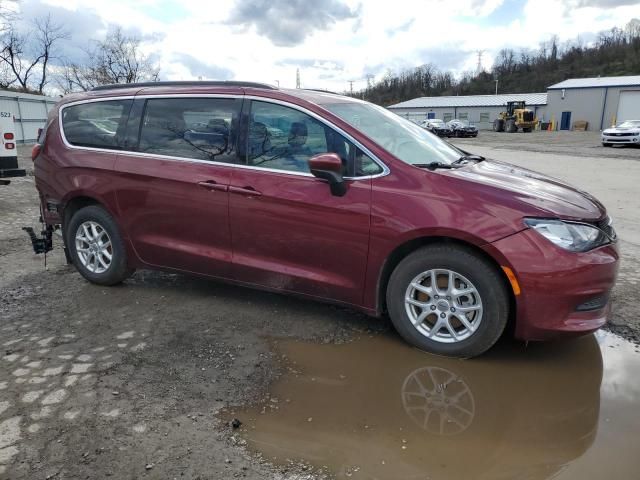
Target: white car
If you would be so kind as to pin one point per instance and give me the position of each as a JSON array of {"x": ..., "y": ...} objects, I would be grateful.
[{"x": 628, "y": 132}]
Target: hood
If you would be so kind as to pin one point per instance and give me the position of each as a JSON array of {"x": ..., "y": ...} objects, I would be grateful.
[
  {"x": 622, "y": 130},
  {"x": 536, "y": 194}
]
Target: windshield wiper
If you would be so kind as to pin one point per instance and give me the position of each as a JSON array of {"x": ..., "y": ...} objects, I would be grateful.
[
  {"x": 465, "y": 158},
  {"x": 434, "y": 165}
]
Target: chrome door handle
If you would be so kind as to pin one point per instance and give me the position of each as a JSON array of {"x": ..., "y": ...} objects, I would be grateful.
[
  {"x": 248, "y": 191},
  {"x": 213, "y": 185}
]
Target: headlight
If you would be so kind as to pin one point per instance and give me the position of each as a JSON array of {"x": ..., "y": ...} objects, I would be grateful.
[{"x": 575, "y": 237}]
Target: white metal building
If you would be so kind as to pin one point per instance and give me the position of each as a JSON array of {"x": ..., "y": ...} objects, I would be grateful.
[
  {"x": 479, "y": 110},
  {"x": 600, "y": 101},
  {"x": 29, "y": 112}
]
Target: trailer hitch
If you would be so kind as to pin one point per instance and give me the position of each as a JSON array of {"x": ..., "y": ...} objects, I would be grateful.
[{"x": 42, "y": 244}]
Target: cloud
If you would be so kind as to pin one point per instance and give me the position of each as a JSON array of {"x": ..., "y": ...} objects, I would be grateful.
[
  {"x": 290, "y": 22},
  {"x": 311, "y": 63},
  {"x": 401, "y": 28},
  {"x": 605, "y": 3},
  {"x": 83, "y": 27},
  {"x": 197, "y": 68},
  {"x": 445, "y": 58}
]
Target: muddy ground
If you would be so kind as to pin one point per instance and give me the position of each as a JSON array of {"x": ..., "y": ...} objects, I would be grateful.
[{"x": 138, "y": 381}]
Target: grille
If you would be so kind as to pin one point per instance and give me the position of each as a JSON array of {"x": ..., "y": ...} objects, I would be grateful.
[
  {"x": 595, "y": 303},
  {"x": 606, "y": 226},
  {"x": 621, "y": 134}
]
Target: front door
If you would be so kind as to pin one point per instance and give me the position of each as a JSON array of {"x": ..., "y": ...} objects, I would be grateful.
[
  {"x": 173, "y": 191},
  {"x": 565, "y": 122},
  {"x": 289, "y": 232}
]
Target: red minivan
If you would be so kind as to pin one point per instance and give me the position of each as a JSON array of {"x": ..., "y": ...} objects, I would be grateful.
[{"x": 324, "y": 196}]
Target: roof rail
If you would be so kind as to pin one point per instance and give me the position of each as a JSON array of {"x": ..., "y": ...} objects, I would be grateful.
[
  {"x": 225, "y": 83},
  {"x": 322, "y": 90}
]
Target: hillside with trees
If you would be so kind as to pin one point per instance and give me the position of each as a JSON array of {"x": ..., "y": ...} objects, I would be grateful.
[{"x": 615, "y": 52}]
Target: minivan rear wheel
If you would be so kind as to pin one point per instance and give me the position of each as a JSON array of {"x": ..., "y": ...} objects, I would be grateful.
[
  {"x": 96, "y": 246},
  {"x": 447, "y": 300}
]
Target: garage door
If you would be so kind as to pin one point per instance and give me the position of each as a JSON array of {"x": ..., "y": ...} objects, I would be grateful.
[{"x": 629, "y": 105}]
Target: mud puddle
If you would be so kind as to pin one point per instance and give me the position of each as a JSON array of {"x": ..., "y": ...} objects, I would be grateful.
[{"x": 378, "y": 409}]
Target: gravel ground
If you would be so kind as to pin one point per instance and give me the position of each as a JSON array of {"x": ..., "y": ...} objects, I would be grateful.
[{"x": 126, "y": 382}]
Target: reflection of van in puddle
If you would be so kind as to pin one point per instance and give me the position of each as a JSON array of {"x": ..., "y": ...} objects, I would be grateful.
[
  {"x": 8, "y": 153},
  {"x": 510, "y": 414}
]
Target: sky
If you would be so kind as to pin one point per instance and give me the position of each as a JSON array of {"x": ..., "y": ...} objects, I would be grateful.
[{"x": 332, "y": 42}]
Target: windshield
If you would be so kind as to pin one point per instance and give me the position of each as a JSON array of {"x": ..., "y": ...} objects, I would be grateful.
[
  {"x": 402, "y": 138},
  {"x": 630, "y": 124}
]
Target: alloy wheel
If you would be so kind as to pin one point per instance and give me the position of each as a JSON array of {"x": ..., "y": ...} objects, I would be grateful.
[
  {"x": 443, "y": 305},
  {"x": 93, "y": 247}
]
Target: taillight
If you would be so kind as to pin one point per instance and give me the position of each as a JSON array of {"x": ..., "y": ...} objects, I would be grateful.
[
  {"x": 35, "y": 151},
  {"x": 9, "y": 146},
  {"x": 8, "y": 136}
]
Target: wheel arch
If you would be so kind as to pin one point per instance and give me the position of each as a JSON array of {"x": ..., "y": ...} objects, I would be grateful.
[
  {"x": 408, "y": 247},
  {"x": 74, "y": 202}
]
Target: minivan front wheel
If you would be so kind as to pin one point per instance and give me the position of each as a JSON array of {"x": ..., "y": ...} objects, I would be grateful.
[
  {"x": 447, "y": 300},
  {"x": 96, "y": 246}
]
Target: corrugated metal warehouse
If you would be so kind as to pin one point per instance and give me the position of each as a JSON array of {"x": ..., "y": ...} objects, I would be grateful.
[
  {"x": 601, "y": 101},
  {"x": 29, "y": 112},
  {"x": 479, "y": 110}
]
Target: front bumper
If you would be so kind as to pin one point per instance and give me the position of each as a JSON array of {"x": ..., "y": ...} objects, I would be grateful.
[
  {"x": 13, "y": 173},
  {"x": 556, "y": 285},
  {"x": 629, "y": 139},
  {"x": 467, "y": 133},
  {"x": 442, "y": 132}
]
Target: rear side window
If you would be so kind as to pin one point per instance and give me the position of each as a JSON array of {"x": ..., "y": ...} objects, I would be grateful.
[
  {"x": 96, "y": 124},
  {"x": 198, "y": 128}
]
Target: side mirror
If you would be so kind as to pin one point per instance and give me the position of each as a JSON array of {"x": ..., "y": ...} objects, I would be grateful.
[{"x": 328, "y": 166}]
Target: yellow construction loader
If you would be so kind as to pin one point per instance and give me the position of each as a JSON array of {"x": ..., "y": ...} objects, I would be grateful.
[{"x": 515, "y": 118}]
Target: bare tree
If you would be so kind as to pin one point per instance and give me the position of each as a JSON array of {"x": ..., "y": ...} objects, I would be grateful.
[
  {"x": 22, "y": 55},
  {"x": 48, "y": 34},
  {"x": 13, "y": 53},
  {"x": 116, "y": 59}
]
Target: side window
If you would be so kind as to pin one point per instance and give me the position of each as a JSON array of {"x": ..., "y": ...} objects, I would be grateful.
[
  {"x": 447, "y": 117},
  {"x": 484, "y": 117},
  {"x": 283, "y": 138},
  {"x": 463, "y": 116},
  {"x": 364, "y": 165},
  {"x": 198, "y": 128},
  {"x": 96, "y": 124}
]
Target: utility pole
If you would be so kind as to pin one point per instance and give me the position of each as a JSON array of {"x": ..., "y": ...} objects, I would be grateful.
[
  {"x": 496, "y": 80},
  {"x": 297, "y": 78},
  {"x": 479, "y": 68},
  {"x": 370, "y": 78},
  {"x": 351, "y": 86},
  {"x": 277, "y": 83}
]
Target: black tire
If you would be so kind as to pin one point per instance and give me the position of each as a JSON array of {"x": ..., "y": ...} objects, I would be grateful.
[
  {"x": 118, "y": 269},
  {"x": 498, "y": 125},
  {"x": 510, "y": 126},
  {"x": 526, "y": 130},
  {"x": 487, "y": 280}
]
